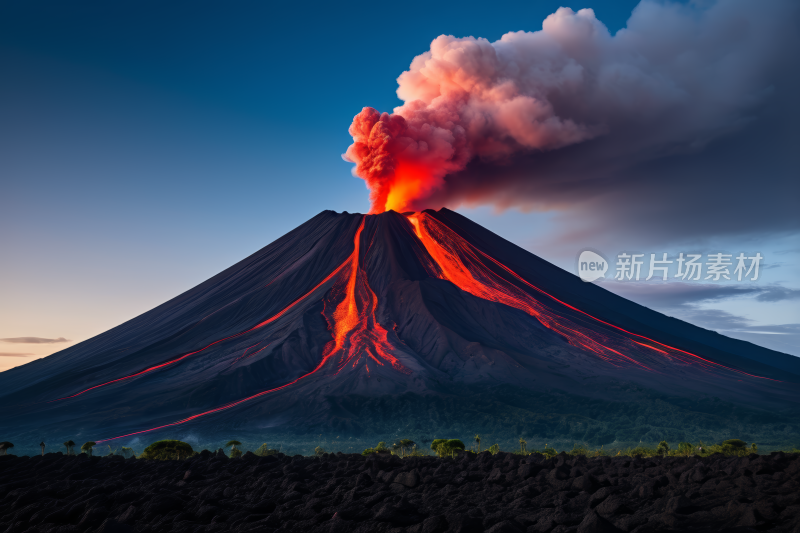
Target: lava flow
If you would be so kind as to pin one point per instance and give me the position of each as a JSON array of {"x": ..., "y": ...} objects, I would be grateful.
[
  {"x": 460, "y": 262},
  {"x": 357, "y": 334},
  {"x": 235, "y": 335},
  {"x": 360, "y": 342}
]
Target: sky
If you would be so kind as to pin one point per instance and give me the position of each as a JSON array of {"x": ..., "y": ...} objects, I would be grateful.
[{"x": 145, "y": 147}]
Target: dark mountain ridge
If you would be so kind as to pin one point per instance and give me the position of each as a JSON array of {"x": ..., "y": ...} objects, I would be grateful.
[{"x": 347, "y": 310}]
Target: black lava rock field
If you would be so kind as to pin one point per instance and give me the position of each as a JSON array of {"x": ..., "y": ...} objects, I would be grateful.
[{"x": 502, "y": 493}]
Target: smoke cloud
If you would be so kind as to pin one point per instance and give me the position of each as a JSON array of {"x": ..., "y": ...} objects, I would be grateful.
[{"x": 540, "y": 118}]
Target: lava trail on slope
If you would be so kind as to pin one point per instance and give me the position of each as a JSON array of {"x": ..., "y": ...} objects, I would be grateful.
[
  {"x": 461, "y": 263},
  {"x": 371, "y": 306},
  {"x": 358, "y": 337}
]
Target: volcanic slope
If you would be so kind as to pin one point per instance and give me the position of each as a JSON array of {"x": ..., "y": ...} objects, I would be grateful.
[{"x": 348, "y": 306}]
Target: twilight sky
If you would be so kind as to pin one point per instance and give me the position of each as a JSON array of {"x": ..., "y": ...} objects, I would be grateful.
[{"x": 146, "y": 147}]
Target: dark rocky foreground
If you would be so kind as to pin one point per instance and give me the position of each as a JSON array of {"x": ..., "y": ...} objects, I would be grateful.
[{"x": 502, "y": 493}]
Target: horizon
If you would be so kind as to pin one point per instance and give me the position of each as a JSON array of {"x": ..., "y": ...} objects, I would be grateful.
[{"x": 136, "y": 168}]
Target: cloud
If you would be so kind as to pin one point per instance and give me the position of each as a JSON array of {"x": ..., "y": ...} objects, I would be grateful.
[
  {"x": 681, "y": 294},
  {"x": 7, "y": 354},
  {"x": 780, "y": 337},
  {"x": 680, "y": 125},
  {"x": 789, "y": 251},
  {"x": 34, "y": 340},
  {"x": 778, "y": 293},
  {"x": 717, "y": 319},
  {"x": 779, "y": 329},
  {"x": 684, "y": 301}
]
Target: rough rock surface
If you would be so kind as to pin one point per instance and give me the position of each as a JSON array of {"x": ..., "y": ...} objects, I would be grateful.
[{"x": 503, "y": 493}]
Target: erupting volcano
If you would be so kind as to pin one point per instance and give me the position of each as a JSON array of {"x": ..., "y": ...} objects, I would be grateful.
[{"x": 348, "y": 310}]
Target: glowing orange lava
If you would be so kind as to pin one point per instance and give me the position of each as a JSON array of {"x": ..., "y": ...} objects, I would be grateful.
[
  {"x": 359, "y": 338},
  {"x": 356, "y": 331},
  {"x": 411, "y": 180},
  {"x": 235, "y": 335},
  {"x": 461, "y": 263},
  {"x": 357, "y": 334}
]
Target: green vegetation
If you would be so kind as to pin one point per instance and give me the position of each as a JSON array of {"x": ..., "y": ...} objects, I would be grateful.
[
  {"x": 265, "y": 450},
  {"x": 403, "y": 448},
  {"x": 164, "y": 450},
  {"x": 549, "y": 452},
  {"x": 628, "y": 414},
  {"x": 731, "y": 447},
  {"x": 447, "y": 447},
  {"x": 404, "y": 444},
  {"x": 5, "y": 445},
  {"x": 663, "y": 448},
  {"x": 235, "y": 452},
  {"x": 87, "y": 447},
  {"x": 381, "y": 447}
]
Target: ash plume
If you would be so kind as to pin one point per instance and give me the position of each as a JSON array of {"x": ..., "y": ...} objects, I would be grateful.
[{"x": 539, "y": 118}]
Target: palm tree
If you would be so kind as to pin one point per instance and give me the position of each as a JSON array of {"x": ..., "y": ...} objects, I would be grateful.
[
  {"x": 478, "y": 442},
  {"x": 405, "y": 444},
  {"x": 87, "y": 447},
  {"x": 42, "y": 445},
  {"x": 233, "y": 444},
  {"x": 522, "y": 445},
  {"x": 69, "y": 444},
  {"x": 4, "y": 446}
]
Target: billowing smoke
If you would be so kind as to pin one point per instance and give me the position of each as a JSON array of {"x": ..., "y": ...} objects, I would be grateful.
[{"x": 677, "y": 77}]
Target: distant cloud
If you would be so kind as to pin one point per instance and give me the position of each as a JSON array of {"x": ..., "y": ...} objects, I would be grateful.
[
  {"x": 684, "y": 301},
  {"x": 778, "y": 293},
  {"x": 34, "y": 340},
  {"x": 7, "y": 354},
  {"x": 681, "y": 294},
  {"x": 717, "y": 319}
]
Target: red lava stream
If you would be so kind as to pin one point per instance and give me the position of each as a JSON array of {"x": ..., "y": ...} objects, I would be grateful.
[
  {"x": 460, "y": 263},
  {"x": 358, "y": 336},
  {"x": 356, "y": 332}
]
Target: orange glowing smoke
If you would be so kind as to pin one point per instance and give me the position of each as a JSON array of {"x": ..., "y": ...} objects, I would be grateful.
[
  {"x": 389, "y": 159},
  {"x": 469, "y": 99}
]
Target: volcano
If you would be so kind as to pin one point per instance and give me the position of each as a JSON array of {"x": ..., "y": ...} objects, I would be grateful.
[{"x": 421, "y": 321}]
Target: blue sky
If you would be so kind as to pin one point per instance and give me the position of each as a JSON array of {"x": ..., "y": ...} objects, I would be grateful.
[{"x": 145, "y": 147}]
